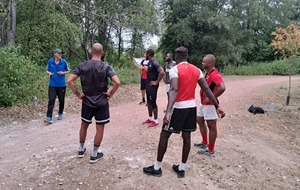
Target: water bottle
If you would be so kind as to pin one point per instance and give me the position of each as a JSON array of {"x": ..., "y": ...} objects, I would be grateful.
[
  {"x": 272, "y": 107},
  {"x": 35, "y": 101}
]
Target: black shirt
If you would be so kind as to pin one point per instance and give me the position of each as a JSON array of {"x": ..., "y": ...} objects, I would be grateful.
[
  {"x": 152, "y": 74},
  {"x": 94, "y": 81}
]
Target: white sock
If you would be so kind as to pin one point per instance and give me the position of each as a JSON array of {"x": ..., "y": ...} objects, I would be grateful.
[
  {"x": 157, "y": 165},
  {"x": 95, "y": 151},
  {"x": 181, "y": 166},
  {"x": 81, "y": 146},
  {"x": 156, "y": 120},
  {"x": 151, "y": 118}
]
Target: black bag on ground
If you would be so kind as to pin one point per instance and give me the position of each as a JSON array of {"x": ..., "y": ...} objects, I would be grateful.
[{"x": 255, "y": 110}]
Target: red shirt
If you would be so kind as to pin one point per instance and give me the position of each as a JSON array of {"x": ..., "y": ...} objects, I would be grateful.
[
  {"x": 188, "y": 76},
  {"x": 213, "y": 78},
  {"x": 144, "y": 72}
]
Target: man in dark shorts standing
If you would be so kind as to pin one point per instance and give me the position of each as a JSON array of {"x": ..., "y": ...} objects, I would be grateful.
[
  {"x": 94, "y": 82},
  {"x": 154, "y": 75},
  {"x": 206, "y": 112},
  {"x": 143, "y": 68},
  {"x": 181, "y": 110}
]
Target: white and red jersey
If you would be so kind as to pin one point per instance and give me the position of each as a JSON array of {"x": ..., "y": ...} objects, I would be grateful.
[{"x": 188, "y": 76}]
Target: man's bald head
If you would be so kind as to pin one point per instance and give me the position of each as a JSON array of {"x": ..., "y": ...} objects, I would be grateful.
[
  {"x": 97, "y": 49},
  {"x": 211, "y": 59}
]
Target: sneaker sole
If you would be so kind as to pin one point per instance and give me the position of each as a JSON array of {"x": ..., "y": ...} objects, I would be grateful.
[
  {"x": 156, "y": 175},
  {"x": 94, "y": 161},
  {"x": 48, "y": 122},
  {"x": 81, "y": 156},
  {"x": 178, "y": 175},
  {"x": 206, "y": 154},
  {"x": 200, "y": 146}
]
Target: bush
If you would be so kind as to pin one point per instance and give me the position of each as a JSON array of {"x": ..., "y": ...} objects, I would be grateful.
[
  {"x": 280, "y": 67},
  {"x": 20, "y": 78}
]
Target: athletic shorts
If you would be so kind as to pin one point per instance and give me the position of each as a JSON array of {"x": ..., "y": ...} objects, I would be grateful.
[
  {"x": 167, "y": 88},
  {"x": 182, "y": 120},
  {"x": 143, "y": 84},
  {"x": 101, "y": 114},
  {"x": 151, "y": 92},
  {"x": 208, "y": 112}
]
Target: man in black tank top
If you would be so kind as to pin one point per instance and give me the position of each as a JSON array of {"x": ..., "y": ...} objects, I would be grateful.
[{"x": 94, "y": 76}]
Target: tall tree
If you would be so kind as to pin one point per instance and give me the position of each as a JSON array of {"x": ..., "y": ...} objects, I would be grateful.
[
  {"x": 287, "y": 43},
  {"x": 235, "y": 31},
  {"x": 12, "y": 16},
  {"x": 2, "y": 17},
  {"x": 42, "y": 27}
]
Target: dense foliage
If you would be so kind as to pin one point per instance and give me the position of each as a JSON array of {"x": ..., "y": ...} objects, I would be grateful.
[
  {"x": 235, "y": 31},
  {"x": 21, "y": 79}
]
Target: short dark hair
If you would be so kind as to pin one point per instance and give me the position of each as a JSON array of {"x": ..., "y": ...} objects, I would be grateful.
[
  {"x": 150, "y": 52},
  {"x": 171, "y": 54},
  {"x": 182, "y": 51}
]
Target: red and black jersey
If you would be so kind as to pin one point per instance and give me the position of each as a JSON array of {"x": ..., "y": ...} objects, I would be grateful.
[{"x": 213, "y": 78}]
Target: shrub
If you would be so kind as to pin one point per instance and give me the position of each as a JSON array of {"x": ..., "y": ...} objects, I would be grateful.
[
  {"x": 20, "y": 78},
  {"x": 280, "y": 67}
]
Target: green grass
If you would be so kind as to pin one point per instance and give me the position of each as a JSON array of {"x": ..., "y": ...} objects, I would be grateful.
[{"x": 280, "y": 67}]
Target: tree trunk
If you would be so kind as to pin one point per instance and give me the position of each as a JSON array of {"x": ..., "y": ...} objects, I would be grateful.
[
  {"x": 1, "y": 24},
  {"x": 289, "y": 91},
  {"x": 11, "y": 29},
  {"x": 120, "y": 42}
]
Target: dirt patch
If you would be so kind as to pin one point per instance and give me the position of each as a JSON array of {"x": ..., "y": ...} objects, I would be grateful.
[
  {"x": 252, "y": 151},
  {"x": 24, "y": 113}
]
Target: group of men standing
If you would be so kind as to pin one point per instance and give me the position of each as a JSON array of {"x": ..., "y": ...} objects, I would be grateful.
[{"x": 181, "y": 114}]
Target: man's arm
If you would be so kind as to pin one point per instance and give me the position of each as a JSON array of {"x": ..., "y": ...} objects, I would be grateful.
[
  {"x": 49, "y": 73},
  {"x": 116, "y": 85},
  {"x": 141, "y": 67},
  {"x": 219, "y": 91},
  {"x": 72, "y": 86},
  {"x": 165, "y": 67},
  {"x": 202, "y": 83},
  {"x": 161, "y": 74},
  {"x": 63, "y": 72},
  {"x": 172, "y": 98}
]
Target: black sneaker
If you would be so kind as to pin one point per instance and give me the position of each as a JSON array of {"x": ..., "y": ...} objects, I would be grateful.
[
  {"x": 142, "y": 102},
  {"x": 98, "y": 157},
  {"x": 81, "y": 154},
  {"x": 180, "y": 174},
  {"x": 151, "y": 171}
]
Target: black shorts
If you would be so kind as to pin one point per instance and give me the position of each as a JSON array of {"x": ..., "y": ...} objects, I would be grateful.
[
  {"x": 143, "y": 84},
  {"x": 151, "y": 92},
  {"x": 101, "y": 114},
  {"x": 182, "y": 120}
]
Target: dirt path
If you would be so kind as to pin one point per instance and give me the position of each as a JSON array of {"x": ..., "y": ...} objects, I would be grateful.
[{"x": 253, "y": 151}]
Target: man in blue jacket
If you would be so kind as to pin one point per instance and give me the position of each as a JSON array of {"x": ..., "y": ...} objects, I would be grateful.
[{"x": 57, "y": 68}]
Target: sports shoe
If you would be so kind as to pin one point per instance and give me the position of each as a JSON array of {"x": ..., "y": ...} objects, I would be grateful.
[
  {"x": 201, "y": 145},
  {"x": 153, "y": 124},
  {"x": 98, "y": 157},
  {"x": 142, "y": 102},
  {"x": 151, "y": 171},
  {"x": 180, "y": 173},
  {"x": 206, "y": 152},
  {"x": 60, "y": 116},
  {"x": 81, "y": 154},
  {"x": 148, "y": 121},
  {"x": 48, "y": 120}
]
